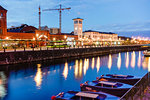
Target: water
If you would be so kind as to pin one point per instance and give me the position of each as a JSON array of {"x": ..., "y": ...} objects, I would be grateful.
[{"x": 41, "y": 81}]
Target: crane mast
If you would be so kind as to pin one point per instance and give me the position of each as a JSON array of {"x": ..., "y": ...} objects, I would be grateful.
[{"x": 60, "y": 11}]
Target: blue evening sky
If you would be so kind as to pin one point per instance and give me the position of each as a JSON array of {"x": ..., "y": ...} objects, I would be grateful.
[{"x": 101, "y": 15}]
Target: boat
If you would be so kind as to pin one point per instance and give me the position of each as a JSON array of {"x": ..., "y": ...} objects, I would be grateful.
[
  {"x": 84, "y": 95},
  {"x": 147, "y": 53},
  {"x": 113, "y": 88},
  {"x": 128, "y": 79}
]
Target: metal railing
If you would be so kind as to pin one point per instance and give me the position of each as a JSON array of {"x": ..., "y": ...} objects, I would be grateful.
[
  {"x": 138, "y": 89},
  {"x": 55, "y": 48}
]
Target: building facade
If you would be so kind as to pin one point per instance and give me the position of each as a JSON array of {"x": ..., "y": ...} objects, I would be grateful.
[
  {"x": 100, "y": 36},
  {"x": 78, "y": 27},
  {"x": 3, "y": 22}
]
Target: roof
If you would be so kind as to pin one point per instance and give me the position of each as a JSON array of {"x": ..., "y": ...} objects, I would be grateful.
[
  {"x": 1, "y": 8},
  {"x": 99, "y": 32},
  {"x": 24, "y": 28},
  {"x": 77, "y": 18}
]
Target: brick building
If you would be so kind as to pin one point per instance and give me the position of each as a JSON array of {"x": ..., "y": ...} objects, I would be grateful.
[{"x": 26, "y": 32}]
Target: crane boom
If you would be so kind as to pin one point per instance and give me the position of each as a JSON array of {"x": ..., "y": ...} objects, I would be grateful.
[{"x": 60, "y": 10}]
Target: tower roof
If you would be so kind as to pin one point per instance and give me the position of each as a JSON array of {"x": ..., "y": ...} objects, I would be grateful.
[
  {"x": 77, "y": 18},
  {"x": 1, "y": 8}
]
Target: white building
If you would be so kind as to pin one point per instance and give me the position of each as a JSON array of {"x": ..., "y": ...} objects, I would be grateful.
[
  {"x": 78, "y": 27},
  {"x": 100, "y": 36}
]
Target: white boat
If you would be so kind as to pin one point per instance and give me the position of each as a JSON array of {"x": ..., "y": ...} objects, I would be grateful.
[{"x": 146, "y": 53}]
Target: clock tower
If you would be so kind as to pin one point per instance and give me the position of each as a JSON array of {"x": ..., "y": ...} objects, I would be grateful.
[
  {"x": 3, "y": 22},
  {"x": 78, "y": 27}
]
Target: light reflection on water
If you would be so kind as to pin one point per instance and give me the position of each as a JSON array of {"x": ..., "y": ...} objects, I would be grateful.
[
  {"x": 119, "y": 61},
  {"x": 48, "y": 80},
  {"x": 133, "y": 59},
  {"x": 109, "y": 61},
  {"x": 38, "y": 76},
  {"x": 98, "y": 64},
  {"x": 127, "y": 59}
]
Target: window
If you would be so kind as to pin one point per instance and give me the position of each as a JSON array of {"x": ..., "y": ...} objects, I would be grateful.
[
  {"x": 75, "y": 22},
  {"x": 80, "y": 22},
  {"x": 1, "y": 14},
  {"x": 1, "y": 31}
]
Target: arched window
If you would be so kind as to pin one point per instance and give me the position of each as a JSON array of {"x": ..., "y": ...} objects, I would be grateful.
[
  {"x": 1, "y": 14},
  {"x": 1, "y": 31}
]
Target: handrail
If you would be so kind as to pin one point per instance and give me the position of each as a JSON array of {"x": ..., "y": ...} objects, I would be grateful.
[{"x": 140, "y": 85}]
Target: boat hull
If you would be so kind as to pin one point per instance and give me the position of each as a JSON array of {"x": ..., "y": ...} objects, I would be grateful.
[
  {"x": 113, "y": 91},
  {"x": 131, "y": 81}
]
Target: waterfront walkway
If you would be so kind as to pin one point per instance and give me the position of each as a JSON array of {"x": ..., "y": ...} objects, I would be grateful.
[{"x": 146, "y": 94}]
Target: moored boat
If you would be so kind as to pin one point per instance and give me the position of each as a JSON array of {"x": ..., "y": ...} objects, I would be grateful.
[
  {"x": 114, "y": 88},
  {"x": 146, "y": 53},
  {"x": 84, "y": 95},
  {"x": 128, "y": 79}
]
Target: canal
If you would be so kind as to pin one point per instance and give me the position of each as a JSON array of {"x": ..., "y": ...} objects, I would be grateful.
[{"x": 39, "y": 81}]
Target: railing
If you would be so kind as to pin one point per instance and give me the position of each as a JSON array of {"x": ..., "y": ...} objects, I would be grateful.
[
  {"x": 138, "y": 89},
  {"x": 54, "y": 48}
]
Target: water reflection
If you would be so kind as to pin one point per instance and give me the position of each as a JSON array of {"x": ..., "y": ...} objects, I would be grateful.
[
  {"x": 148, "y": 64},
  {"x": 139, "y": 59},
  {"x": 78, "y": 69},
  {"x": 93, "y": 63},
  {"x": 82, "y": 70},
  {"x": 133, "y": 59},
  {"x": 119, "y": 61},
  {"x": 65, "y": 72},
  {"x": 38, "y": 76},
  {"x": 127, "y": 59},
  {"x": 109, "y": 61},
  {"x": 3, "y": 81},
  {"x": 86, "y": 65},
  {"x": 98, "y": 64}
]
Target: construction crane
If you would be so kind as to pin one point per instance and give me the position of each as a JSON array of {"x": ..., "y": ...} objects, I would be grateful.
[{"x": 60, "y": 10}]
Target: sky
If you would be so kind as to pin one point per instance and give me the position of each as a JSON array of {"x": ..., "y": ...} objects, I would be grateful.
[{"x": 121, "y": 16}]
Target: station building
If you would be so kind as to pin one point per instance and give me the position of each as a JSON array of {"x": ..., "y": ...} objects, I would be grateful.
[{"x": 28, "y": 34}]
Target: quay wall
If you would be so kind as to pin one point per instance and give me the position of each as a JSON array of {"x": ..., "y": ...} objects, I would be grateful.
[{"x": 7, "y": 58}]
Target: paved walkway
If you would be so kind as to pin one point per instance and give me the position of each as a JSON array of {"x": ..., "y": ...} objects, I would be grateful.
[{"x": 146, "y": 95}]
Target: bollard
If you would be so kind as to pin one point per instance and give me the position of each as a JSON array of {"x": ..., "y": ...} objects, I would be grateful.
[
  {"x": 14, "y": 49},
  {"x": 4, "y": 50},
  {"x": 24, "y": 49}
]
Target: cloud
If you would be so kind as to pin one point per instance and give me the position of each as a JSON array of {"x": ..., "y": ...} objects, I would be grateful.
[{"x": 137, "y": 26}]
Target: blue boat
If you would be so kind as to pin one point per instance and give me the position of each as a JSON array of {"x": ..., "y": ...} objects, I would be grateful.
[
  {"x": 114, "y": 88},
  {"x": 128, "y": 79},
  {"x": 84, "y": 95}
]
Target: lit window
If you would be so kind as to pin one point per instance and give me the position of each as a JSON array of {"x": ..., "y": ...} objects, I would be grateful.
[
  {"x": 80, "y": 22},
  {"x": 76, "y": 28},
  {"x": 75, "y": 22}
]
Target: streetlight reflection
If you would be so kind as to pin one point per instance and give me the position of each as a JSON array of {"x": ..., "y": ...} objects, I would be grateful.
[
  {"x": 119, "y": 61},
  {"x": 65, "y": 72},
  {"x": 133, "y": 59},
  {"x": 93, "y": 62},
  {"x": 139, "y": 59},
  {"x": 148, "y": 64},
  {"x": 98, "y": 64},
  {"x": 110, "y": 62},
  {"x": 127, "y": 59},
  {"x": 38, "y": 76}
]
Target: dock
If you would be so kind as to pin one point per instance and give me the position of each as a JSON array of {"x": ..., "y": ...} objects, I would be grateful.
[{"x": 33, "y": 55}]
